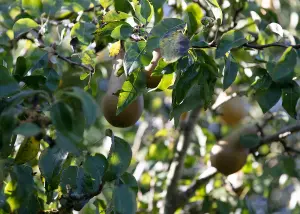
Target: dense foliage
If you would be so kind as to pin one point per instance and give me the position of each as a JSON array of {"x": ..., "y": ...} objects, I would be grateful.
[{"x": 59, "y": 154}]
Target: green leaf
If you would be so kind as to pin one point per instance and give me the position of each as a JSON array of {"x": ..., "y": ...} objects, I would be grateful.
[
  {"x": 34, "y": 81},
  {"x": 290, "y": 96},
  {"x": 113, "y": 16},
  {"x": 8, "y": 85},
  {"x": 263, "y": 83},
  {"x": 275, "y": 28},
  {"x": 34, "y": 6},
  {"x": 230, "y": 72},
  {"x": 124, "y": 200},
  {"x": 8, "y": 122},
  {"x": 23, "y": 26},
  {"x": 27, "y": 151},
  {"x": 119, "y": 160},
  {"x": 50, "y": 164},
  {"x": 199, "y": 40},
  {"x": 83, "y": 31},
  {"x": 122, "y": 32},
  {"x": 51, "y": 7},
  {"x": 62, "y": 117},
  {"x": 164, "y": 27},
  {"x": 88, "y": 104},
  {"x": 132, "y": 56},
  {"x": 185, "y": 82},
  {"x": 268, "y": 98},
  {"x": 73, "y": 177},
  {"x": 130, "y": 181},
  {"x": 131, "y": 89},
  {"x": 52, "y": 79},
  {"x": 249, "y": 141},
  {"x": 283, "y": 70},
  {"x": 143, "y": 10},
  {"x": 216, "y": 10},
  {"x": 27, "y": 129},
  {"x": 95, "y": 167},
  {"x": 106, "y": 3},
  {"x": 229, "y": 40},
  {"x": 173, "y": 46},
  {"x": 21, "y": 68},
  {"x": 193, "y": 17},
  {"x": 165, "y": 82}
]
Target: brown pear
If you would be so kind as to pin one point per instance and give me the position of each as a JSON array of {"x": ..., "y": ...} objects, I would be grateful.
[
  {"x": 228, "y": 156},
  {"x": 131, "y": 114}
]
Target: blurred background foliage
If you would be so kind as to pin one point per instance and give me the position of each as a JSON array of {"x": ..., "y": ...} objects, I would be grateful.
[{"x": 268, "y": 183}]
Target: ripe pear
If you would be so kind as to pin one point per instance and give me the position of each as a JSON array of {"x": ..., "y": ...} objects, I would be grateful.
[
  {"x": 153, "y": 81},
  {"x": 228, "y": 156},
  {"x": 131, "y": 114}
]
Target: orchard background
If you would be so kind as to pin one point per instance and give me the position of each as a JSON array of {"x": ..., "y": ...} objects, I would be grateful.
[{"x": 222, "y": 65}]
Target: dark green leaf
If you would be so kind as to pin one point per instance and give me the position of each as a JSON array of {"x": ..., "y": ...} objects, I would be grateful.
[
  {"x": 249, "y": 141},
  {"x": 62, "y": 117},
  {"x": 52, "y": 79},
  {"x": 83, "y": 31},
  {"x": 119, "y": 160},
  {"x": 132, "y": 56},
  {"x": 50, "y": 163},
  {"x": 229, "y": 40},
  {"x": 88, "y": 104},
  {"x": 290, "y": 96},
  {"x": 21, "y": 68},
  {"x": 164, "y": 27},
  {"x": 268, "y": 98},
  {"x": 263, "y": 83},
  {"x": 27, "y": 129},
  {"x": 124, "y": 200},
  {"x": 173, "y": 46},
  {"x": 8, "y": 85},
  {"x": 35, "y": 81},
  {"x": 95, "y": 166},
  {"x": 130, "y": 181},
  {"x": 122, "y": 32},
  {"x": 230, "y": 72},
  {"x": 283, "y": 70}
]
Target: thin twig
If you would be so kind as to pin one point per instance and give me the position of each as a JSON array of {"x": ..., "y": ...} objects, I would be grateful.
[
  {"x": 66, "y": 59},
  {"x": 283, "y": 133}
]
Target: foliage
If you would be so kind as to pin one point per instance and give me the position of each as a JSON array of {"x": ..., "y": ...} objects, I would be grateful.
[{"x": 57, "y": 152}]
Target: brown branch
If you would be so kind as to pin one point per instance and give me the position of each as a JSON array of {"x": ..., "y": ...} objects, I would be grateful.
[
  {"x": 283, "y": 133},
  {"x": 275, "y": 44},
  {"x": 171, "y": 199},
  {"x": 190, "y": 192}
]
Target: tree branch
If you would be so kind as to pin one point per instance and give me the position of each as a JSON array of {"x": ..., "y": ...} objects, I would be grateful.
[
  {"x": 283, "y": 133},
  {"x": 275, "y": 44},
  {"x": 190, "y": 192},
  {"x": 66, "y": 59},
  {"x": 171, "y": 199}
]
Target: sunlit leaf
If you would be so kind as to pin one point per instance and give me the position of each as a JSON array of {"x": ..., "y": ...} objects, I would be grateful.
[
  {"x": 28, "y": 150},
  {"x": 113, "y": 16},
  {"x": 23, "y": 26}
]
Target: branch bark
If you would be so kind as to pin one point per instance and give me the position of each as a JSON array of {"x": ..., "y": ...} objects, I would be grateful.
[
  {"x": 171, "y": 199},
  {"x": 281, "y": 134}
]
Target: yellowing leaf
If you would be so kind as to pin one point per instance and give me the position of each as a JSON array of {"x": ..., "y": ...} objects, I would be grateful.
[
  {"x": 27, "y": 151},
  {"x": 115, "y": 48}
]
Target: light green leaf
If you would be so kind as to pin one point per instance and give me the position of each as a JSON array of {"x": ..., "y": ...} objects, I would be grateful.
[
  {"x": 229, "y": 40},
  {"x": 113, "y": 16},
  {"x": 23, "y": 26},
  {"x": 106, "y": 3},
  {"x": 34, "y": 6},
  {"x": 131, "y": 89},
  {"x": 216, "y": 10},
  {"x": 143, "y": 10}
]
